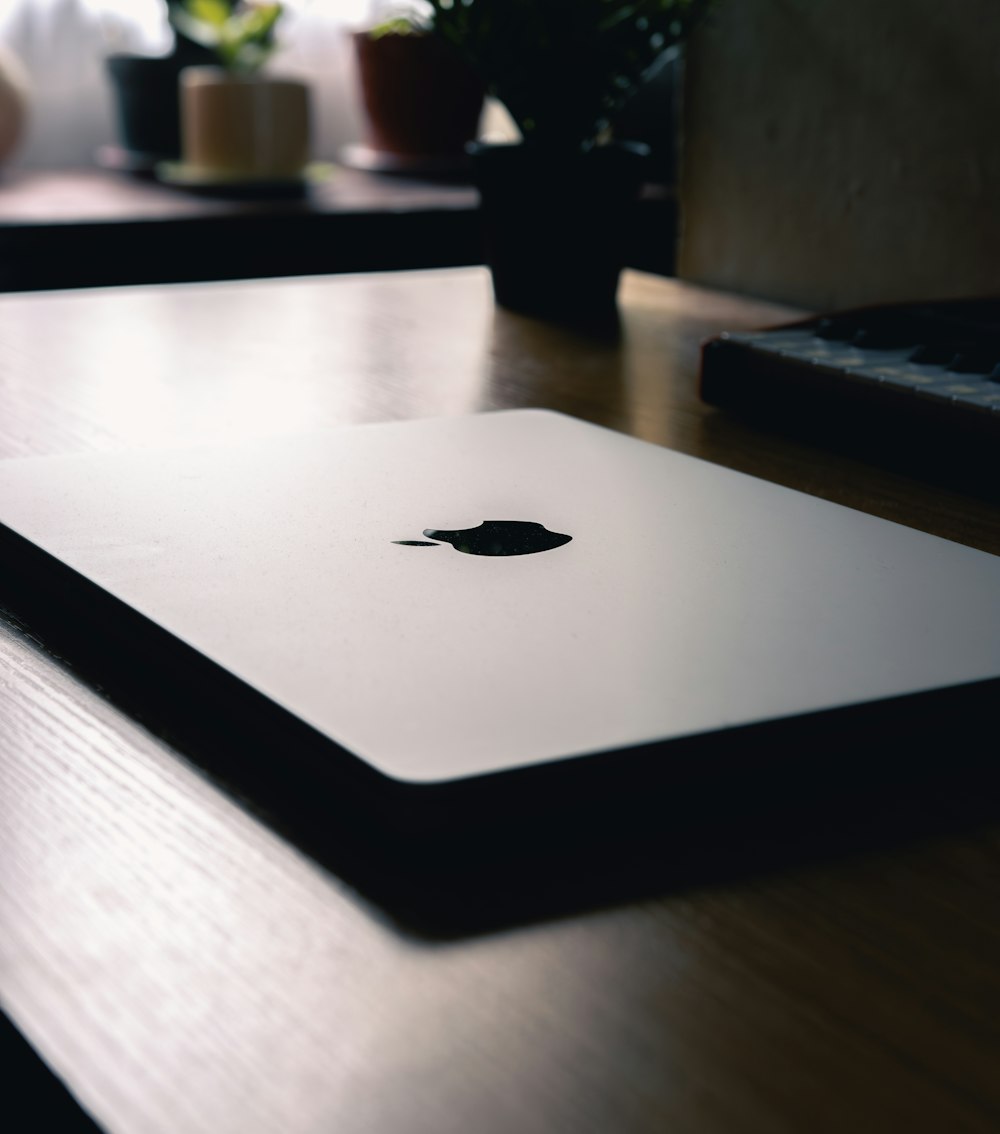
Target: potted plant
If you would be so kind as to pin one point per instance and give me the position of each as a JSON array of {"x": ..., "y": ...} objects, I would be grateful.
[
  {"x": 554, "y": 204},
  {"x": 146, "y": 103},
  {"x": 421, "y": 100},
  {"x": 236, "y": 123}
]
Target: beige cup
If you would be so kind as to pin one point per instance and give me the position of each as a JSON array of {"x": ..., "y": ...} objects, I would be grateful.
[{"x": 243, "y": 125}]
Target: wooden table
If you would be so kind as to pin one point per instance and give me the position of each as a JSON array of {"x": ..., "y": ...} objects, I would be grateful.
[{"x": 184, "y": 967}]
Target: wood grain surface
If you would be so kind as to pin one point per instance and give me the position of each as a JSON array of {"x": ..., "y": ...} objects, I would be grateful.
[{"x": 184, "y": 967}]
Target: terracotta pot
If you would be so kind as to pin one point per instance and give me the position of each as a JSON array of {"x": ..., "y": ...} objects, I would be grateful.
[
  {"x": 555, "y": 224},
  {"x": 244, "y": 125},
  {"x": 13, "y": 103},
  {"x": 420, "y": 99}
]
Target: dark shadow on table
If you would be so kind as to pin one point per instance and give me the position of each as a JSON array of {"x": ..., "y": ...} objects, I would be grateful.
[
  {"x": 565, "y": 837},
  {"x": 628, "y": 847},
  {"x": 32, "y": 1092}
]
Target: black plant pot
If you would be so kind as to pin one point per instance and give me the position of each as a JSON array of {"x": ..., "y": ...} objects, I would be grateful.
[
  {"x": 555, "y": 224},
  {"x": 147, "y": 100}
]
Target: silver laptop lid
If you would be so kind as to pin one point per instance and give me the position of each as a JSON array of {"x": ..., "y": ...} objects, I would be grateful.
[{"x": 688, "y": 598}]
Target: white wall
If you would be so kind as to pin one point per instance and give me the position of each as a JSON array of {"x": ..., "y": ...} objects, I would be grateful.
[
  {"x": 842, "y": 152},
  {"x": 63, "y": 43}
]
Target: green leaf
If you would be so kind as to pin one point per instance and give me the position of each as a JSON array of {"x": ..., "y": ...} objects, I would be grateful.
[
  {"x": 564, "y": 68},
  {"x": 241, "y": 35},
  {"x": 213, "y": 12}
]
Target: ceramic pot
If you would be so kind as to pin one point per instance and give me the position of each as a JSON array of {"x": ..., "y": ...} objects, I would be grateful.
[
  {"x": 420, "y": 99},
  {"x": 555, "y": 222},
  {"x": 248, "y": 126},
  {"x": 146, "y": 102}
]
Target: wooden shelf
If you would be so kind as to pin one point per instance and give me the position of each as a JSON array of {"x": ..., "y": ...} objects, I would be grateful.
[
  {"x": 85, "y": 228},
  {"x": 89, "y": 228}
]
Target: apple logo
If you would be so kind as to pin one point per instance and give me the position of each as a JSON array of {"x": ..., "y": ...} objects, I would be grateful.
[{"x": 494, "y": 537}]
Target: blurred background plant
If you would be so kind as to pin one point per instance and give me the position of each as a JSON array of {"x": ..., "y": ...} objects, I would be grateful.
[
  {"x": 564, "y": 69},
  {"x": 240, "y": 33}
]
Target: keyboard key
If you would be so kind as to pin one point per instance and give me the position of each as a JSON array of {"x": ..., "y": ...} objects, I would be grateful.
[
  {"x": 982, "y": 396},
  {"x": 958, "y": 388},
  {"x": 836, "y": 329},
  {"x": 972, "y": 363},
  {"x": 881, "y": 336},
  {"x": 906, "y": 377},
  {"x": 934, "y": 354}
]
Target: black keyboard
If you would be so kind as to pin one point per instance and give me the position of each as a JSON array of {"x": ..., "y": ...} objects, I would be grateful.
[{"x": 920, "y": 380}]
